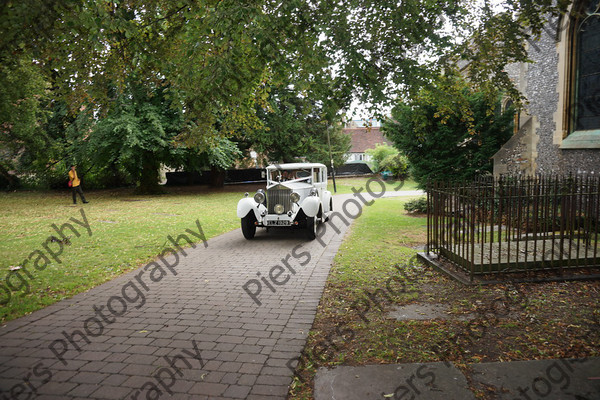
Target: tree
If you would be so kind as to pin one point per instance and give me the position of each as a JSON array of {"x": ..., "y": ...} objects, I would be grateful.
[
  {"x": 22, "y": 113},
  {"x": 219, "y": 58},
  {"x": 497, "y": 39},
  {"x": 225, "y": 54},
  {"x": 445, "y": 142},
  {"x": 397, "y": 164},
  {"x": 379, "y": 153},
  {"x": 138, "y": 133},
  {"x": 295, "y": 127}
]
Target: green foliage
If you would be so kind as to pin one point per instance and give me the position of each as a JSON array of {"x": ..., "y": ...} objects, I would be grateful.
[
  {"x": 22, "y": 113},
  {"x": 379, "y": 153},
  {"x": 224, "y": 154},
  {"x": 296, "y": 128},
  {"x": 397, "y": 164},
  {"x": 218, "y": 61},
  {"x": 225, "y": 54},
  {"x": 137, "y": 133},
  {"x": 141, "y": 132},
  {"x": 318, "y": 148},
  {"x": 418, "y": 206},
  {"x": 449, "y": 141},
  {"x": 497, "y": 39}
]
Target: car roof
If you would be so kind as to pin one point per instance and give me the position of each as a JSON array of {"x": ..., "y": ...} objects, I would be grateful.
[{"x": 295, "y": 166}]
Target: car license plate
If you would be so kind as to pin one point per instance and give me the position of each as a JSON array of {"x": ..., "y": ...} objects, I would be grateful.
[{"x": 279, "y": 223}]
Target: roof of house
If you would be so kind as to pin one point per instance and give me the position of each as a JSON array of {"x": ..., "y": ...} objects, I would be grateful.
[{"x": 365, "y": 138}]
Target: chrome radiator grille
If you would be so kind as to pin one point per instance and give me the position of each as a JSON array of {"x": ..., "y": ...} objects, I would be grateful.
[{"x": 279, "y": 195}]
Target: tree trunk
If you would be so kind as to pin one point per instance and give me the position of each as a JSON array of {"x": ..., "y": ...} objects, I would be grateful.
[
  {"x": 12, "y": 180},
  {"x": 149, "y": 176},
  {"x": 217, "y": 177}
]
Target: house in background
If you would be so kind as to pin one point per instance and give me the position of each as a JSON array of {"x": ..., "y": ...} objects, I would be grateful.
[
  {"x": 559, "y": 131},
  {"x": 363, "y": 138}
]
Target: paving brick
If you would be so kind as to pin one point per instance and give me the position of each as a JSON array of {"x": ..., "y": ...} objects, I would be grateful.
[
  {"x": 50, "y": 397},
  {"x": 112, "y": 368},
  {"x": 116, "y": 357},
  {"x": 208, "y": 388},
  {"x": 138, "y": 349},
  {"x": 56, "y": 388},
  {"x": 138, "y": 370},
  {"x": 213, "y": 365},
  {"x": 141, "y": 359},
  {"x": 93, "y": 366},
  {"x": 280, "y": 371},
  {"x": 111, "y": 392},
  {"x": 252, "y": 358},
  {"x": 89, "y": 377},
  {"x": 136, "y": 381},
  {"x": 270, "y": 390},
  {"x": 245, "y": 348},
  {"x": 226, "y": 356},
  {"x": 231, "y": 339},
  {"x": 231, "y": 366},
  {"x": 237, "y": 392},
  {"x": 225, "y": 346},
  {"x": 114, "y": 380},
  {"x": 215, "y": 376},
  {"x": 250, "y": 368},
  {"x": 274, "y": 380},
  {"x": 83, "y": 390}
]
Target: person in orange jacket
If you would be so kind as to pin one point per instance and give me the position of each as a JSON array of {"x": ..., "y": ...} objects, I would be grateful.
[{"x": 75, "y": 184}]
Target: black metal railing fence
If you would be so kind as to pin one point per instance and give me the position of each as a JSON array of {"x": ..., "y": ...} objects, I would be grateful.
[{"x": 515, "y": 224}]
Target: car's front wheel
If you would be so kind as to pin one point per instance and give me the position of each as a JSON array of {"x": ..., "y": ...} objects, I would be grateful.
[
  {"x": 248, "y": 226},
  {"x": 311, "y": 227}
]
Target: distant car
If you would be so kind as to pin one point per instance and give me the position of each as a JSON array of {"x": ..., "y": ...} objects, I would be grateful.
[{"x": 296, "y": 197}]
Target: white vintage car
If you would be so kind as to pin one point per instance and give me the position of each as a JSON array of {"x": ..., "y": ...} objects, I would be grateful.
[{"x": 296, "y": 196}]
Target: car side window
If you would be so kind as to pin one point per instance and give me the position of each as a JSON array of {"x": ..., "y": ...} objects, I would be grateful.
[{"x": 316, "y": 177}]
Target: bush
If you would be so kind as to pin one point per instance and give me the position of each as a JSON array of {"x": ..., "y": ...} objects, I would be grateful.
[
  {"x": 379, "y": 153},
  {"x": 449, "y": 133},
  {"x": 397, "y": 164},
  {"x": 418, "y": 206},
  {"x": 57, "y": 176}
]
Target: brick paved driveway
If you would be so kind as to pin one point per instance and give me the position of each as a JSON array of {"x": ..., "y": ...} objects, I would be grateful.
[{"x": 197, "y": 334}]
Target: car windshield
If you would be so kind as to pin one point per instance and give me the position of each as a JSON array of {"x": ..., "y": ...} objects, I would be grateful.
[{"x": 286, "y": 175}]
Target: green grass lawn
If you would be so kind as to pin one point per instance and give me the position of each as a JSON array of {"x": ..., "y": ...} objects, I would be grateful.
[
  {"x": 374, "y": 271},
  {"x": 384, "y": 236},
  {"x": 344, "y": 185},
  {"x": 127, "y": 231}
]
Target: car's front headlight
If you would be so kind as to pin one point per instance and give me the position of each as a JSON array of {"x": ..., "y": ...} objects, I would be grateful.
[
  {"x": 279, "y": 209},
  {"x": 295, "y": 197},
  {"x": 314, "y": 192},
  {"x": 259, "y": 197}
]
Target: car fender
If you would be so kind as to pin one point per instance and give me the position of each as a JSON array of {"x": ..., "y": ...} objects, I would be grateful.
[
  {"x": 310, "y": 206},
  {"x": 245, "y": 205}
]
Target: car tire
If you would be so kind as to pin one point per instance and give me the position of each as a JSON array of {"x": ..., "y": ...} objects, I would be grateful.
[
  {"x": 248, "y": 227},
  {"x": 311, "y": 227},
  {"x": 330, "y": 211}
]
